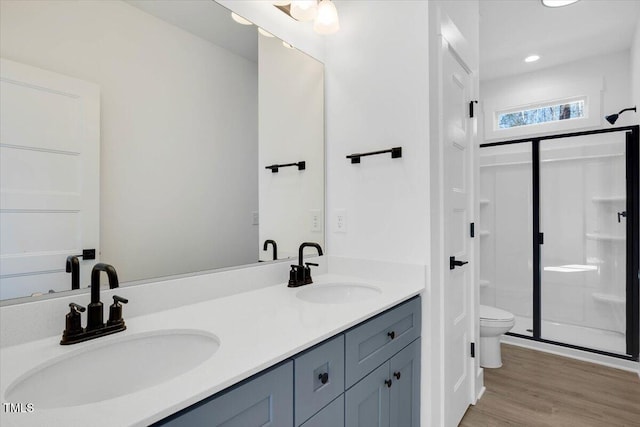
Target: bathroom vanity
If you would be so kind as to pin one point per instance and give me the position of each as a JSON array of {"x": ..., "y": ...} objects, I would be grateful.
[
  {"x": 315, "y": 354},
  {"x": 369, "y": 375}
]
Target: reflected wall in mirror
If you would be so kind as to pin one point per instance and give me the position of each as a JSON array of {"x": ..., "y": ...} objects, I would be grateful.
[{"x": 142, "y": 129}]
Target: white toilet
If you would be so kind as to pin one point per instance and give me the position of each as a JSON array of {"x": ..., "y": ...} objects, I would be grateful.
[{"x": 494, "y": 322}]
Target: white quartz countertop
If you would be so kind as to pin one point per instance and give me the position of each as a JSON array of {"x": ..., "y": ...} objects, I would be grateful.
[{"x": 256, "y": 330}]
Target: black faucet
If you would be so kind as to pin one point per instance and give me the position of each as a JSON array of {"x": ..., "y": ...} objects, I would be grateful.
[
  {"x": 94, "y": 309},
  {"x": 275, "y": 247},
  {"x": 301, "y": 274},
  {"x": 96, "y": 327},
  {"x": 73, "y": 267}
]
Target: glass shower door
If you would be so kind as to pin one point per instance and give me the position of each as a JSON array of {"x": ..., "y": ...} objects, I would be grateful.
[
  {"x": 583, "y": 255},
  {"x": 505, "y": 232}
]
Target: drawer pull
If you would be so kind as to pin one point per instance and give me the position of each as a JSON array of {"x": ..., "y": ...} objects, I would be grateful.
[
  {"x": 397, "y": 375},
  {"x": 324, "y": 378},
  {"x": 391, "y": 334},
  {"x": 388, "y": 383}
]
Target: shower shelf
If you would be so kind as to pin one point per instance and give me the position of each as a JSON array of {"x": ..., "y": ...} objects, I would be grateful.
[
  {"x": 608, "y": 298},
  {"x": 605, "y": 237},
  {"x": 484, "y": 233},
  {"x": 609, "y": 199}
]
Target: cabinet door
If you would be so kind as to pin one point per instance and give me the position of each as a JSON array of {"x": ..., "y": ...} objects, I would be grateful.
[
  {"x": 404, "y": 368},
  {"x": 265, "y": 401},
  {"x": 331, "y": 415},
  {"x": 367, "y": 402}
]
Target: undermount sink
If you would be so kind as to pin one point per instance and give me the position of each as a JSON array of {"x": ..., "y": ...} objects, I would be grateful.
[
  {"x": 107, "y": 370},
  {"x": 337, "y": 293}
]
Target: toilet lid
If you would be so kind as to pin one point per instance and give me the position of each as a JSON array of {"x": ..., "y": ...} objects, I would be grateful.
[{"x": 493, "y": 313}]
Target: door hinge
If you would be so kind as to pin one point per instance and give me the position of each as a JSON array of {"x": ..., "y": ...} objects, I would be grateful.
[
  {"x": 472, "y": 229},
  {"x": 541, "y": 238},
  {"x": 471, "y": 108},
  {"x": 473, "y": 349}
]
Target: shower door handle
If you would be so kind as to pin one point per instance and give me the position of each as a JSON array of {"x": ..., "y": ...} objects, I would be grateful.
[
  {"x": 622, "y": 214},
  {"x": 453, "y": 263}
]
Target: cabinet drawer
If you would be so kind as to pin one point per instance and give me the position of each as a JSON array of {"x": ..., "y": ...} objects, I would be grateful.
[
  {"x": 318, "y": 378},
  {"x": 330, "y": 416},
  {"x": 369, "y": 345}
]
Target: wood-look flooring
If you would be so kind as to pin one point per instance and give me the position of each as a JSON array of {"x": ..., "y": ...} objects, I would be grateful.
[{"x": 540, "y": 389}]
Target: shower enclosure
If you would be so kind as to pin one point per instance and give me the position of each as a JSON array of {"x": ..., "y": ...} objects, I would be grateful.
[{"x": 559, "y": 238}]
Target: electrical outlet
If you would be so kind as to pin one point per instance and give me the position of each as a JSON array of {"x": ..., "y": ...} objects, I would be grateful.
[
  {"x": 340, "y": 221},
  {"x": 316, "y": 220},
  {"x": 256, "y": 218}
]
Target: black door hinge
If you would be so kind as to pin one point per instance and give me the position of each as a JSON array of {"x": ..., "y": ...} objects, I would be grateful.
[
  {"x": 473, "y": 349},
  {"x": 541, "y": 238},
  {"x": 472, "y": 229},
  {"x": 471, "y": 108}
]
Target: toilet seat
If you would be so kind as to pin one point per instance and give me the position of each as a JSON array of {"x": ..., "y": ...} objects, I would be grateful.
[{"x": 490, "y": 315}]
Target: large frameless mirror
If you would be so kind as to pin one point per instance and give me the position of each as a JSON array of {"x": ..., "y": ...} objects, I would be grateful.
[{"x": 149, "y": 131}]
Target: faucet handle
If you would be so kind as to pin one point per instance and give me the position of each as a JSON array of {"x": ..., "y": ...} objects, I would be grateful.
[
  {"x": 73, "y": 306},
  {"x": 307, "y": 272},
  {"x": 115, "y": 311},
  {"x": 73, "y": 326},
  {"x": 117, "y": 299}
]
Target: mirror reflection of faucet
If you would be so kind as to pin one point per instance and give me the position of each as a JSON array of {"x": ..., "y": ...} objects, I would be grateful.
[
  {"x": 275, "y": 247},
  {"x": 73, "y": 266},
  {"x": 300, "y": 274},
  {"x": 74, "y": 333}
]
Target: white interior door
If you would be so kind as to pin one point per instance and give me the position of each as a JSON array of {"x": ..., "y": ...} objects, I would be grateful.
[
  {"x": 457, "y": 196},
  {"x": 49, "y": 177}
]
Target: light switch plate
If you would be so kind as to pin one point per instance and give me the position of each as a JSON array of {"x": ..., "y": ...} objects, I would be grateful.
[
  {"x": 316, "y": 220},
  {"x": 340, "y": 221}
]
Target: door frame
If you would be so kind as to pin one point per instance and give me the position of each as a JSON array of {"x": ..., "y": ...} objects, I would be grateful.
[{"x": 632, "y": 151}]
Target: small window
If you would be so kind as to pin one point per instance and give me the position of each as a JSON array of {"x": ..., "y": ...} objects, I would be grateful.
[{"x": 570, "y": 109}]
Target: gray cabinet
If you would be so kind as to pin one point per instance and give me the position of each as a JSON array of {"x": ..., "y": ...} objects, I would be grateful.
[
  {"x": 390, "y": 395},
  {"x": 263, "y": 401},
  {"x": 367, "y": 403},
  {"x": 370, "y": 344},
  {"x": 331, "y": 415},
  {"x": 318, "y": 377},
  {"x": 404, "y": 369}
]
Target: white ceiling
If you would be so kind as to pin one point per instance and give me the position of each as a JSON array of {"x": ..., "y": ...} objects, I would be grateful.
[{"x": 510, "y": 30}]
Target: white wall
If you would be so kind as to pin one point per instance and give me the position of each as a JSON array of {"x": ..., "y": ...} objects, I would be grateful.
[
  {"x": 608, "y": 72},
  {"x": 635, "y": 69},
  {"x": 159, "y": 86},
  {"x": 291, "y": 129},
  {"x": 377, "y": 98}
]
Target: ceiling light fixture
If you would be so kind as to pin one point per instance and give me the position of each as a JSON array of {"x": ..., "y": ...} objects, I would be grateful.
[
  {"x": 265, "y": 33},
  {"x": 323, "y": 13},
  {"x": 532, "y": 58},
  {"x": 304, "y": 10},
  {"x": 240, "y": 20},
  {"x": 558, "y": 3},
  {"x": 327, "y": 19}
]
